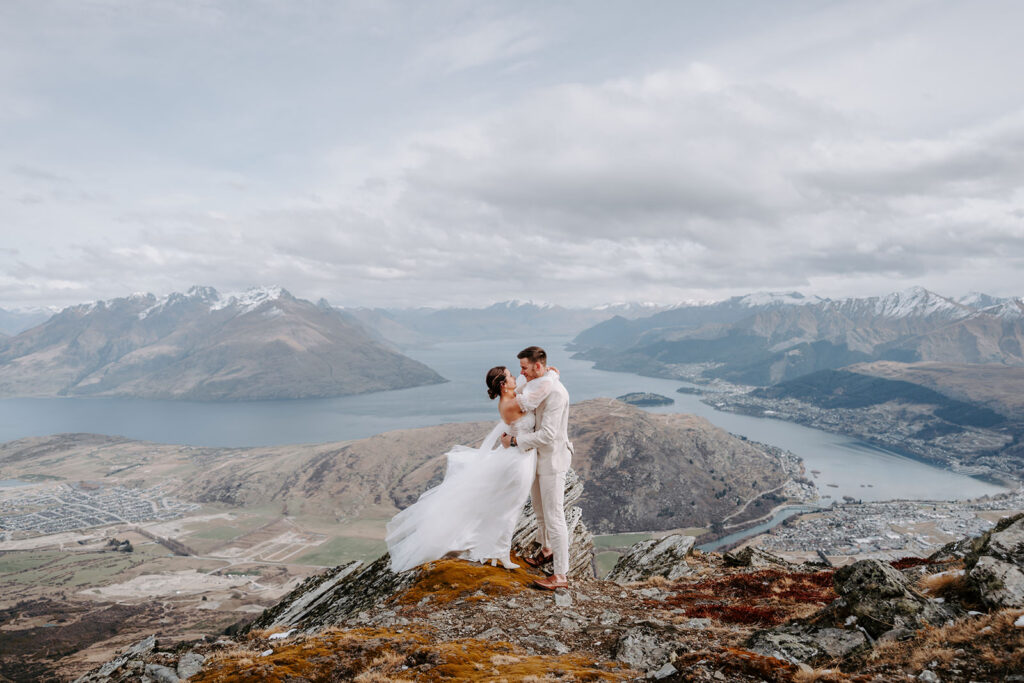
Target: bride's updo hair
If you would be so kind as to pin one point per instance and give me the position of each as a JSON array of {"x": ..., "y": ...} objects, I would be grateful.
[{"x": 495, "y": 378}]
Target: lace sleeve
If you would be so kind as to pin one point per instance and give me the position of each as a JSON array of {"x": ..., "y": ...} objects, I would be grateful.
[{"x": 535, "y": 391}]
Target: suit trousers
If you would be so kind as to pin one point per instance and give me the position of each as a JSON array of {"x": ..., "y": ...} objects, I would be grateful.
[{"x": 548, "y": 496}]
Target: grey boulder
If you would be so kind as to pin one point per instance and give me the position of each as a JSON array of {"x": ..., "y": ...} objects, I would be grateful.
[
  {"x": 996, "y": 568},
  {"x": 665, "y": 557}
]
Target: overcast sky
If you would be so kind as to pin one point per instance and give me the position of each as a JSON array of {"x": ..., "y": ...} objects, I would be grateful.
[{"x": 465, "y": 152}]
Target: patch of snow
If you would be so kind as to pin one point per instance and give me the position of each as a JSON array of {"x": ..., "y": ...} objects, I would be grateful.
[
  {"x": 207, "y": 295},
  {"x": 916, "y": 302},
  {"x": 519, "y": 303},
  {"x": 249, "y": 300},
  {"x": 778, "y": 299},
  {"x": 980, "y": 300},
  {"x": 273, "y": 312},
  {"x": 1020, "y": 622},
  {"x": 1011, "y": 309}
]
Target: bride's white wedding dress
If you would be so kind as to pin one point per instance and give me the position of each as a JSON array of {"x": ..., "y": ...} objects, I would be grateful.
[{"x": 473, "y": 512}]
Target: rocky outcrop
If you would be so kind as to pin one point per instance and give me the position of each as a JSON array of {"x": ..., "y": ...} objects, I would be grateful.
[
  {"x": 753, "y": 556},
  {"x": 799, "y": 643},
  {"x": 665, "y": 557},
  {"x": 996, "y": 565},
  {"x": 581, "y": 541},
  {"x": 136, "y": 664},
  {"x": 316, "y": 594},
  {"x": 881, "y": 599},
  {"x": 646, "y": 646},
  {"x": 877, "y": 602},
  {"x": 346, "y": 590},
  {"x": 458, "y": 620}
]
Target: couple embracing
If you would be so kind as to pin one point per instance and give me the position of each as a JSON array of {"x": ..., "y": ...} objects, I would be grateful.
[{"x": 473, "y": 512}]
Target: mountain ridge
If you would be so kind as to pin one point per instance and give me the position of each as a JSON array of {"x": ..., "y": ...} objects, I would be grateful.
[
  {"x": 764, "y": 341},
  {"x": 261, "y": 344}
]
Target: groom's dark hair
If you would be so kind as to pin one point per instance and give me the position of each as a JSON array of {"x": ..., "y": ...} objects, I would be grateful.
[{"x": 534, "y": 354}]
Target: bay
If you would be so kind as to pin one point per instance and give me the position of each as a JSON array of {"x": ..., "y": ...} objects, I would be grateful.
[{"x": 847, "y": 467}]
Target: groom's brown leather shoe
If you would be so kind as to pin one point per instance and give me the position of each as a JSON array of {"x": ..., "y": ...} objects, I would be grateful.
[
  {"x": 551, "y": 583},
  {"x": 539, "y": 559}
]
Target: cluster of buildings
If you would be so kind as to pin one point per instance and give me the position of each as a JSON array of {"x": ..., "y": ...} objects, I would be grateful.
[
  {"x": 890, "y": 529},
  {"x": 68, "y": 507}
]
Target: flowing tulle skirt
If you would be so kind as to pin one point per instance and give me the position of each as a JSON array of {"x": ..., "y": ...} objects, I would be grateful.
[{"x": 471, "y": 513}]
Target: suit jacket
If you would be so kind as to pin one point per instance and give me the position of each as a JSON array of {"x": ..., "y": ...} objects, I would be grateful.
[{"x": 551, "y": 435}]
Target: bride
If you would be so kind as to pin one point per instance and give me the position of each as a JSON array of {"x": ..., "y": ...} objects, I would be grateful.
[{"x": 473, "y": 512}]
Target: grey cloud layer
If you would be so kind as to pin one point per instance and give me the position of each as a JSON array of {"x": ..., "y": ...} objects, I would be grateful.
[{"x": 455, "y": 169}]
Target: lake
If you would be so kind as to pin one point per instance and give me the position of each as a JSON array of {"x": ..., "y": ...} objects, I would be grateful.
[{"x": 846, "y": 466}]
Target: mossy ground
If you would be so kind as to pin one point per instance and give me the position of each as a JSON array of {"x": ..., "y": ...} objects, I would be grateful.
[
  {"x": 444, "y": 581},
  {"x": 375, "y": 654}
]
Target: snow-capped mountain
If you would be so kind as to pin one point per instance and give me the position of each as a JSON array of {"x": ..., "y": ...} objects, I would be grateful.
[
  {"x": 763, "y": 299},
  {"x": 762, "y": 339},
  {"x": 259, "y": 344}
]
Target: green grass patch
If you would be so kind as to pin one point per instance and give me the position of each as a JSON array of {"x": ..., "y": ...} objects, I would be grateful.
[
  {"x": 39, "y": 477},
  {"x": 219, "y": 533},
  {"x": 21, "y": 560},
  {"x": 605, "y": 562},
  {"x": 343, "y": 549},
  {"x": 620, "y": 540},
  {"x": 693, "y": 531}
]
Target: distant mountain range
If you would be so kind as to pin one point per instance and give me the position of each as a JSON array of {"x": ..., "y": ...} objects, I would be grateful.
[
  {"x": 262, "y": 344},
  {"x": 410, "y": 326},
  {"x": 18, "y": 320},
  {"x": 767, "y": 338}
]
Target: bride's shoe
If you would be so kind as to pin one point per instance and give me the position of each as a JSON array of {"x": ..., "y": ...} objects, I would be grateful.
[{"x": 507, "y": 564}]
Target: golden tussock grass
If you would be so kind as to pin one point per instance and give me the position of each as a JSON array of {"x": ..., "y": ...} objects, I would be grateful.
[
  {"x": 373, "y": 655},
  {"x": 447, "y": 580},
  {"x": 816, "y": 675},
  {"x": 950, "y": 584},
  {"x": 989, "y": 641}
]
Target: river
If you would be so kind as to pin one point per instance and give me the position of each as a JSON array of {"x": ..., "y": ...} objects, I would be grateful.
[{"x": 845, "y": 466}]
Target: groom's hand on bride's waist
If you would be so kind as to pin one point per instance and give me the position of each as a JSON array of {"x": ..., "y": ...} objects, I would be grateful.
[{"x": 507, "y": 440}]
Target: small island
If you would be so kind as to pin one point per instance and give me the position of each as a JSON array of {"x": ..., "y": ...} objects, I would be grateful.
[{"x": 643, "y": 398}]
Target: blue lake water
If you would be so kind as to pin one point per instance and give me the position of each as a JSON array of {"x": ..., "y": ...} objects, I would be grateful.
[
  {"x": 855, "y": 468},
  {"x": 12, "y": 483}
]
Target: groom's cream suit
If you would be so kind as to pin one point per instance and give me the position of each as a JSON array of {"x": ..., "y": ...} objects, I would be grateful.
[{"x": 554, "y": 455}]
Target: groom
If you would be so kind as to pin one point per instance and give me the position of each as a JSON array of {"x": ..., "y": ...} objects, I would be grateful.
[{"x": 554, "y": 453}]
